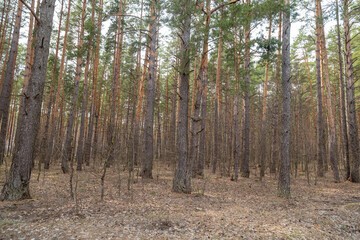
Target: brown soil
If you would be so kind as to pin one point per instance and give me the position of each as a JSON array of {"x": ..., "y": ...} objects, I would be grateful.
[{"x": 217, "y": 209}]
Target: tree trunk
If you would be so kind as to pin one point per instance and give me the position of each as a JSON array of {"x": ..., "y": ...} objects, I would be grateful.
[
  {"x": 275, "y": 144},
  {"x": 182, "y": 177},
  {"x": 4, "y": 28},
  {"x": 80, "y": 148},
  {"x": 148, "y": 155},
  {"x": 88, "y": 144},
  {"x": 330, "y": 110},
  {"x": 320, "y": 127},
  {"x": 284, "y": 169},
  {"x": 264, "y": 119},
  {"x": 69, "y": 146},
  {"x": 17, "y": 185},
  {"x": 245, "y": 171},
  {"x": 44, "y": 140},
  {"x": 353, "y": 127},
  {"x": 115, "y": 80},
  {"x": 237, "y": 145},
  {"x": 7, "y": 84},
  {"x": 139, "y": 104},
  {"x": 54, "y": 118},
  {"x": 217, "y": 101}
]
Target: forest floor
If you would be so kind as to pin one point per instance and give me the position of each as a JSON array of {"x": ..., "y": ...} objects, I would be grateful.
[{"x": 217, "y": 209}]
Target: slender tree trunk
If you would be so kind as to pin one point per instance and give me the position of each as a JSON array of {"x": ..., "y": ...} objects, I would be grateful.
[
  {"x": 3, "y": 29},
  {"x": 275, "y": 144},
  {"x": 344, "y": 130},
  {"x": 89, "y": 138},
  {"x": 330, "y": 110},
  {"x": 245, "y": 171},
  {"x": 54, "y": 118},
  {"x": 320, "y": 127},
  {"x": 115, "y": 79},
  {"x": 97, "y": 115},
  {"x": 44, "y": 140},
  {"x": 264, "y": 110},
  {"x": 172, "y": 131},
  {"x": 182, "y": 177},
  {"x": 69, "y": 145},
  {"x": 139, "y": 104},
  {"x": 17, "y": 184},
  {"x": 80, "y": 148},
  {"x": 30, "y": 48},
  {"x": 203, "y": 80},
  {"x": 217, "y": 101},
  {"x": 353, "y": 127},
  {"x": 284, "y": 169},
  {"x": 7, "y": 85},
  {"x": 237, "y": 145}
]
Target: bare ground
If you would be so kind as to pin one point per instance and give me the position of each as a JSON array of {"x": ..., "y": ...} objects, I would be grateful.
[{"x": 217, "y": 209}]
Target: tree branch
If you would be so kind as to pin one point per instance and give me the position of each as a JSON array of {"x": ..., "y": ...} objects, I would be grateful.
[
  {"x": 121, "y": 15},
  {"x": 223, "y": 5},
  {"x": 31, "y": 10}
]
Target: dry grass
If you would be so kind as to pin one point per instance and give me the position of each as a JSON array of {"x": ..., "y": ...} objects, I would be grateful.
[{"x": 247, "y": 209}]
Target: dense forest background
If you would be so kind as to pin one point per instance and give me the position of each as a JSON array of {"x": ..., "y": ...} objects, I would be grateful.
[
  {"x": 191, "y": 85},
  {"x": 227, "y": 100}
]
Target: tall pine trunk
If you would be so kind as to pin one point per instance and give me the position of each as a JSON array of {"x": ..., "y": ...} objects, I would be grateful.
[
  {"x": 44, "y": 140},
  {"x": 217, "y": 102},
  {"x": 8, "y": 81},
  {"x": 264, "y": 111},
  {"x": 245, "y": 171},
  {"x": 182, "y": 177},
  {"x": 69, "y": 145},
  {"x": 284, "y": 169},
  {"x": 148, "y": 155},
  {"x": 353, "y": 127},
  {"x": 17, "y": 184},
  {"x": 329, "y": 104},
  {"x": 320, "y": 127}
]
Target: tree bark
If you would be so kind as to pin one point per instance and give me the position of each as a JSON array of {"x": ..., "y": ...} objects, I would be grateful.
[
  {"x": 353, "y": 127},
  {"x": 148, "y": 155},
  {"x": 17, "y": 185},
  {"x": 44, "y": 140},
  {"x": 284, "y": 169},
  {"x": 8, "y": 81},
  {"x": 182, "y": 177},
  {"x": 264, "y": 110},
  {"x": 217, "y": 100},
  {"x": 88, "y": 144},
  {"x": 275, "y": 144},
  {"x": 344, "y": 129},
  {"x": 320, "y": 127},
  {"x": 245, "y": 171},
  {"x": 68, "y": 145},
  {"x": 3, "y": 29},
  {"x": 330, "y": 109}
]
